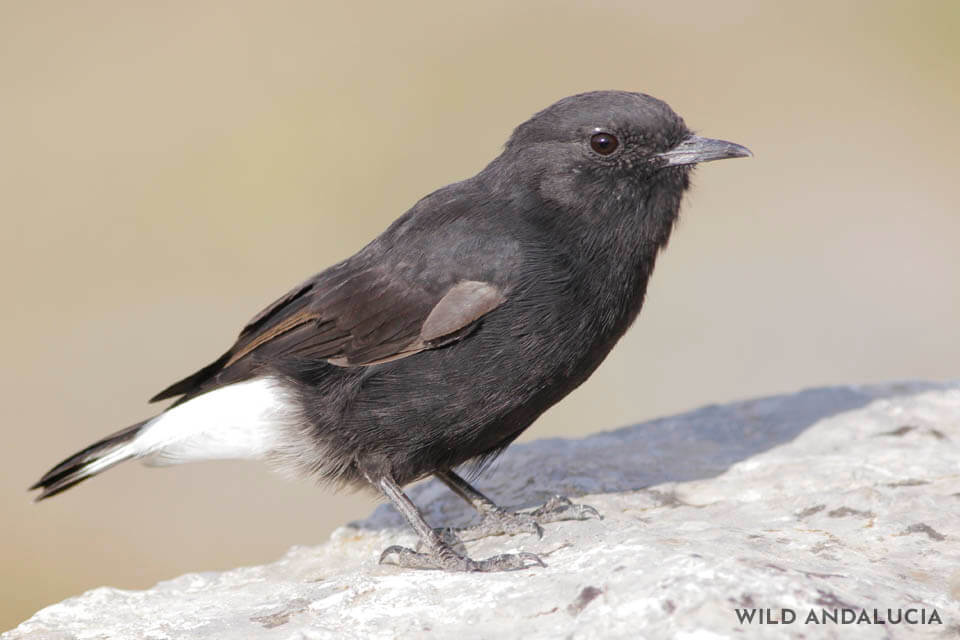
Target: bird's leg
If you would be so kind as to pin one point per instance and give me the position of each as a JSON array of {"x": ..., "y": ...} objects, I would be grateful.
[
  {"x": 439, "y": 554},
  {"x": 498, "y": 521}
]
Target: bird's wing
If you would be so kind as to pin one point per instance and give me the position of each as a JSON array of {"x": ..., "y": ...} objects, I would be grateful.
[{"x": 350, "y": 320}]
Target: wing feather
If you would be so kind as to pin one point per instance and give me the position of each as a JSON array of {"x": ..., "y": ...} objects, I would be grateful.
[{"x": 356, "y": 319}]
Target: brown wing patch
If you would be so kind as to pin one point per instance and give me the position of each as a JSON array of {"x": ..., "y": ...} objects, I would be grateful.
[
  {"x": 349, "y": 319},
  {"x": 261, "y": 318},
  {"x": 287, "y": 324},
  {"x": 454, "y": 316},
  {"x": 463, "y": 304}
]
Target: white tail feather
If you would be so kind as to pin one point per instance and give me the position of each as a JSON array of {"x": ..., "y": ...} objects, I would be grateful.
[
  {"x": 245, "y": 420},
  {"x": 106, "y": 461}
]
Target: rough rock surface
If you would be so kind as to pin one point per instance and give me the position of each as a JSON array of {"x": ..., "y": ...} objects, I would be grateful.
[{"x": 829, "y": 499}]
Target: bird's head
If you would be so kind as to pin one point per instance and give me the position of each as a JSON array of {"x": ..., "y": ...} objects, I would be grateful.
[{"x": 607, "y": 147}]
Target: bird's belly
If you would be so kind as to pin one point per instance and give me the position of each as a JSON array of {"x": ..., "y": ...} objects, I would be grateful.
[{"x": 441, "y": 408}]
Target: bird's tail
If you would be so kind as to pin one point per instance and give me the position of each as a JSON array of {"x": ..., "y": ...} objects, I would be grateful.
[{"x": 98, "y": 457}]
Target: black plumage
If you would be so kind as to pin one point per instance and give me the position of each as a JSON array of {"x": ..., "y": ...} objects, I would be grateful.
[{"x": 439, "y": 342}]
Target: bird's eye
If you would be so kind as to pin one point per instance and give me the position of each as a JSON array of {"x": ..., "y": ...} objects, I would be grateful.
[{"x": 604, "y": 143}]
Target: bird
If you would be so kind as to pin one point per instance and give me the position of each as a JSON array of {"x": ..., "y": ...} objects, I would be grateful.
[{"x": 436, "y": 345}]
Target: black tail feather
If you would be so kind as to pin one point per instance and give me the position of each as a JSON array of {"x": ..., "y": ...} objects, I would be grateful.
[
  {"x": 75, "y": 469},
  {"x": 192, "y": 382}
]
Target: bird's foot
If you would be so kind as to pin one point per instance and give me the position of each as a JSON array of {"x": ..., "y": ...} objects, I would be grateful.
[
  {"x": 445, "y": 558},
  {"x": 500, "y": 522},
  {"x": 497, "y": 523},
  {"x": 560, "y": 508}
]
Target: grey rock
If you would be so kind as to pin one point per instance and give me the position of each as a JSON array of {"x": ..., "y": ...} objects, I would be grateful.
[{"x": 825, "y": 500}]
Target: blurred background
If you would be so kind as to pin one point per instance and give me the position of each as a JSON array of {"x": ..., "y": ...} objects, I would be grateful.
[{"x": 170, "y": 168}]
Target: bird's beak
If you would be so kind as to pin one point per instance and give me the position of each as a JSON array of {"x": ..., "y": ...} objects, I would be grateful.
[{"x": 695, "y": 149}]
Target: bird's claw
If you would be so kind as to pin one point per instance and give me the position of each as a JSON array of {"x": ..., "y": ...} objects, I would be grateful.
[
  {"x": 502, "y": 522},
  {"x": 447, "y": 559},
  {"x": 560, "y": 508}
]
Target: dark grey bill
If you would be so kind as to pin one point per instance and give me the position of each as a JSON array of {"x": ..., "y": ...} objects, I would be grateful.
[{"x": 695, "y": 149}]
